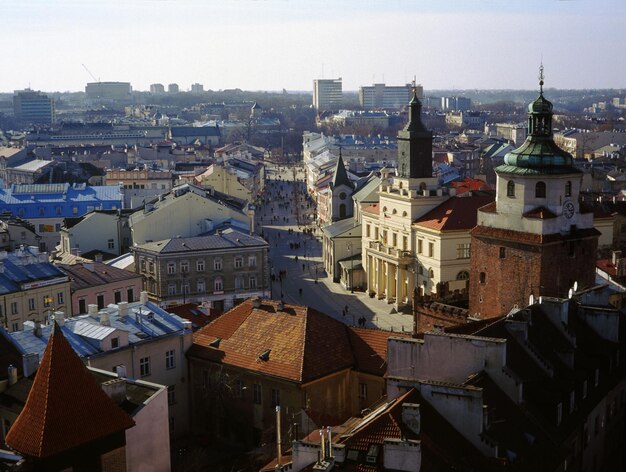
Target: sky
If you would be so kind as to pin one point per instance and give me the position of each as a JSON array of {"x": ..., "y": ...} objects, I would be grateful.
[{"x": 276, "y": 44}]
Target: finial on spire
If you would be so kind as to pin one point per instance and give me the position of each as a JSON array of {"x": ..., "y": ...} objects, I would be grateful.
[{"x": 541, "y": 77}]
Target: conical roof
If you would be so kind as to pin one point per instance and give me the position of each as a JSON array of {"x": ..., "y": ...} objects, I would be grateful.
[
  {"x": 65, "y": 408},
  {"x": 341, "y": 175}
]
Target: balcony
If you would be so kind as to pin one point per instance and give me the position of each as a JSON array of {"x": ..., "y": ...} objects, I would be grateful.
[{"x": 397, "y": 255}]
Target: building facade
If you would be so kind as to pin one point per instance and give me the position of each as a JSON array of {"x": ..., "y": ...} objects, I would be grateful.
[
  {"x": 219, "y": 270},
  {"x": 327, "y": 94},
  {"x": 35, "y": 108},
  {"x": 387, "y": 96}
]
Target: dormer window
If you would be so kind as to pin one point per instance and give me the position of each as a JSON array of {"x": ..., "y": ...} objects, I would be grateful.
[
  {"x": 510, "y": 189},
  {"x": 540, "y": 190}
]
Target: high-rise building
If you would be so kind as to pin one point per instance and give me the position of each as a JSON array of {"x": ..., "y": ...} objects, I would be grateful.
[
  {"x": 456, "y": 103},
  {"x": 157, "y": 89},
  {"x": 33, "y": 107},
  {"x": 384, "y": 96},
  {"x": 197, "y": 88},
  {"x": 173, "y": 88},
  {"x": 108, "y": 90},
  {"x": 535, "y": 239},
  {"x": 327, "y": 94}
]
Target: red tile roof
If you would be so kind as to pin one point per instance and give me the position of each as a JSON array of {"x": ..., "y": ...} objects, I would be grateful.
[
  {"x": 540, "y": 213},
  {"x": 370, "y": 349},
  {"x": 456, "y": 213},
  {"x": 303, "y": 343},
  {"x": 373, "y": 209},
  {"x": 467, "y": 185},
  {"x": 66, "y": 407}
]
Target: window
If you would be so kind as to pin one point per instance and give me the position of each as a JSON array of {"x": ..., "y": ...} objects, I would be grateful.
[
  {"x": 184, "y": 266},
  {"x": 184, "y": 286},
  {"x": 252, "y": 261},
  {"x": 171, "y": 394},
  {"x": 201, "y": 286},
  {"x": 100, "y": 301},
  {"x": 540, "y": 190},
  {"x": 150, "y": 267},
  {"x": 463, "y": 275},
  {"x": 115, "y": 343},
  {"x": 258, "y": 398},
  {"x": 82, "y": 306},
  {"x": 31, "y": 304},
  {"x": 218, "y": 284},
  {"x": 431, "y": 273},
  {"x": 363, "y": 391},
  {"x": 394, "y": 239},
  {"x": 171, "y": 289},
  {"x": 419, "y": 246},
  {"x": 431, "y": 249},
  {"x": 510, "y": 189},
  {"x": 482, "y": 277},
  {"x": 47, "y": 301},
  {"x": 239, "y": 388},
  {"x": 170, "y": 362},
  {"x": 502, "y": 253},
  {"x": 367, "y": 231},
  {"x": 171, "y": 268},
  {"x": 275, "y": 397},
  {"x": 568, "y": 189},
  {"x": 385, "y": 236},
  {"x": 217, "y": 263},
  {"x": 405, "y": 243},
  {"x": 200, "y": 265},
  {"x": 238, "y": 262},
  {"x": 117, "y": 296},
  {"x": 142, "y": 264},
  {"x": 15, "y": 326},
  {"x": 111, "y": 244},
  {"x": 144, "y": 366},
  {"x": 60, "y": 298},
  {"x": 75, "y": 210},
  {"x": 57, "y": 227},
  {"x": 463, "y": 251},
  {"x": 376, "y": 233},
  {"x": 130, "y": 295},
  {"x": 252, "y": 281},
  {"x": 239, "y": 282}
]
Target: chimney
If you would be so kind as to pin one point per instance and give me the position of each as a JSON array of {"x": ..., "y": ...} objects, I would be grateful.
[
  {"x": 122, "y": 308},
  {"x": 30, "y": 362},
  {"x": 115, "y": 390},
  {"x": 143, "y": 297},
  {"x": 37, "y": 329},
  {"x": 120, "y": 370},
  {"x": 104, "y": 318},
  {"x": 92, "y": 309},
  {"x": 256, "y": 302},
  {"x": 12, "y": 371},
  {"x": 59, "y": 317},
  {"x": 411, "y": 416}
]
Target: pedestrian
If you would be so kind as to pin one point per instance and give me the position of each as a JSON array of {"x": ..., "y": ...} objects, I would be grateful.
[
  {"x": 346, "y": 308},
  {"x": 300, "y": 291},
  {"x": 343, "y": 313},
  {"x": 302, "y": 267}
]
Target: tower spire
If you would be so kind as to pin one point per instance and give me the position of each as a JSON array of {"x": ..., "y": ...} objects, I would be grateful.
[{"x": 541, "y": 77}]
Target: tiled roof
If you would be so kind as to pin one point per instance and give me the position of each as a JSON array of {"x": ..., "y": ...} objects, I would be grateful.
[
  {"x": 227, "y": 239},
  {"x": 94, "y": 274},
  {"x": 303, "y": 343},
  {"x": 540, "y": 213},
  {"x": 373, "y": 209},
  {"x": 456, "y": 213},
  {"x": 370, "y": 349},
  {"x": 66, "y": 408}
]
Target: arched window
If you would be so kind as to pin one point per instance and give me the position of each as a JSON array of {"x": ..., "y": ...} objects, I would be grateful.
[
  {"x": 394, "y": 211},
  {"x": 463, "y": 275},
  {"x": 510, "y": 189},
  {"x": 431, "y": 273},
  {"x": 342, "y": 210},
  {"x": 540, "y": 190},
  {"x": 404, "y": 213},
  {"x": 483, "y": 277},
  {"x": 568, "y": 189},
  {"x": 423, "y": 186}
]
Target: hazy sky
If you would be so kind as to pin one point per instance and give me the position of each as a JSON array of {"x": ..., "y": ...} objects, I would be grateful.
[{"x": 275, "y": 44}]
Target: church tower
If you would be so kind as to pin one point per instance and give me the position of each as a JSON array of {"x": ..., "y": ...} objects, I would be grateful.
[
  {"x": 415, "y": 145},
  {"x": 341, "y": 189},
  {"x": 534, "y": 239}
]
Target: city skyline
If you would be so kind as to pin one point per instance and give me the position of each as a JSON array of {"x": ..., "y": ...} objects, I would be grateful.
[{"x": 276, "y": 44}]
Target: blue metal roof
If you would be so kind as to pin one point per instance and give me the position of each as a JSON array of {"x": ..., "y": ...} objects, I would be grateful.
[
  {"x": 143, "y": 323},
  {"x": 23, "y": 266}
]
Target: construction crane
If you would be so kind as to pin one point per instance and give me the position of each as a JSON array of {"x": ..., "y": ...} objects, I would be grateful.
[{"x": 89, "y": 72}]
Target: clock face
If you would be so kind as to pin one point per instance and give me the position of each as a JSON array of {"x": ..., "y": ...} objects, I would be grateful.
[
  {"x": 568, "y": 209},
  {"x": 342, "y": 196}
]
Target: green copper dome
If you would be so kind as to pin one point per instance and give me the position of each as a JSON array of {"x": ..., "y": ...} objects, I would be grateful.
[{"x": 539, "y": 154}]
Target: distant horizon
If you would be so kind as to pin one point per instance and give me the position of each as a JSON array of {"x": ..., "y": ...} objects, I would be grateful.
[{"x": 284, "y": 44}]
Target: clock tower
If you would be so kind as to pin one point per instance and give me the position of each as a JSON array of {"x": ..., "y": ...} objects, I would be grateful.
[{"x": 535, "y": 238}]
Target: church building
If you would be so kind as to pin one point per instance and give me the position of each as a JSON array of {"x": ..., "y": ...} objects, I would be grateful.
[{"x": 535, "y": 239}]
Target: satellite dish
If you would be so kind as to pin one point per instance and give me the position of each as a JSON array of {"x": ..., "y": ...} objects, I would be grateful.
[
  {"x": 531, "y": 299},
  {"x": 570, "y": 294},
  {"x": 575, "y": 286}
]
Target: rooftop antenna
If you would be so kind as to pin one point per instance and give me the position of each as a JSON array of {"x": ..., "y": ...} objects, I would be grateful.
[{"x": 541, "y": 77}]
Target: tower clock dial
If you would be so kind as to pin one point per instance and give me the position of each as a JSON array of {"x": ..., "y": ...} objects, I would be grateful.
[{"x": 568, "y": 209}]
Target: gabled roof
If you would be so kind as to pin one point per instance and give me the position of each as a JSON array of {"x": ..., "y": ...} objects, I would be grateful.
[
  {"x": 94, "y": 274},
  {"x": 66, "y": 408},
  {"x": 456, "y": 213},
  {"x": 341, "y": 176},
  {"x": 227, "y": 239},
  {"x": 370, "y": 349},
  {"x": 348, "y": 227},
  {"x": 303, "y": 343}
]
